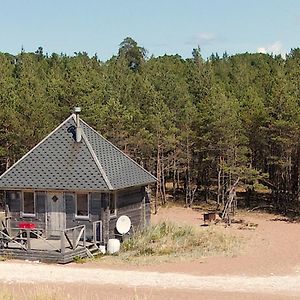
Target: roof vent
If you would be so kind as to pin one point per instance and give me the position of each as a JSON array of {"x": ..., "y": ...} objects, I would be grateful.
[{"x": 77, "y": 110}]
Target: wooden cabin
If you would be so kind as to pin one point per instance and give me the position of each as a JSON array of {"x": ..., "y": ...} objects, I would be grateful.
[{"x": 74, "y": 176}]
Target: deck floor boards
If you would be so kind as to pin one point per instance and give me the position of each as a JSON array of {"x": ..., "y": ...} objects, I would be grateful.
[{"x": 48, "y": 250}]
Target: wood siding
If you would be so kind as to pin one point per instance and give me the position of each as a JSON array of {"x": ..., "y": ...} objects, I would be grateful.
[
  {"x": 95, "y": 209},
  {"x": 134, "y": 203},
  {"x": 13, "y": 199}
]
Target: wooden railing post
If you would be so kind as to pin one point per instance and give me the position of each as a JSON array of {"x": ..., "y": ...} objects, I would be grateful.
[
  {"x": 94, "y": 232},
  {"x": 28, "y": 239},
  {"x": 101, "y": 231},
  {"x": 84, "y": 237},
  {"x": 74, "y": 238},
  {"x": 62, "y": 242}
]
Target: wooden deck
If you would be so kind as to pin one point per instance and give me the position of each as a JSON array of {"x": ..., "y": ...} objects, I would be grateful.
[
  {"x": 30, "y": 245},
  {"x": 44, "y": 252}
]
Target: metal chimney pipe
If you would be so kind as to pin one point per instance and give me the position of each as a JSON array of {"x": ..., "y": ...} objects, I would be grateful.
[{"x": 77, "y": 110}]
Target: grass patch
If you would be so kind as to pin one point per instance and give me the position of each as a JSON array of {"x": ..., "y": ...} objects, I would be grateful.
[
  {"x": 169, "y": 240},
  {"x": 6, "y": 295},
  {"x": 6, "y": 256},
  {"x": 79, "y": 260},
  {"x": 2, "y": 258}
]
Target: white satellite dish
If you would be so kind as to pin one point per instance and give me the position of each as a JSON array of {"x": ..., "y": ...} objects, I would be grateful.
[{"x": 123, "y": 224}]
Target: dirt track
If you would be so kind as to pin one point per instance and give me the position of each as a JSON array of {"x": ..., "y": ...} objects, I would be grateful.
[
  {"x": 268, "y": 267},
  {"x": 41, "y": 273}
]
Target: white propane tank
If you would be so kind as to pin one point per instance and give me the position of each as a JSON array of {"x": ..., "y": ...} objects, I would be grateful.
[
  {"x": 113, "y": 246},
  {"x": 102, "y": 249}
]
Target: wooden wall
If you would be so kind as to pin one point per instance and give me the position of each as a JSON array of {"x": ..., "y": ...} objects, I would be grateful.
[
  {"x": 98, "y": 211},
  {"x": 134, "y": 203},
  {"x": 13, "y": 199}
]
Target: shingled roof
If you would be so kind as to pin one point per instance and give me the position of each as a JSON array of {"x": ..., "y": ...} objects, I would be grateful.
[{"x": 59, "y": 162}]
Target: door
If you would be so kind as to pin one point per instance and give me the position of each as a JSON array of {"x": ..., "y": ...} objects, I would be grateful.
[{"x": 56, "y": 216}]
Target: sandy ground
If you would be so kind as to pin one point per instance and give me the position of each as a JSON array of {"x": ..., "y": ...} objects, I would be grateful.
[
  {"x": 82, "y": 292},
  {"x": 41, "y": 274},
  {"x": 267, "y": 267}
]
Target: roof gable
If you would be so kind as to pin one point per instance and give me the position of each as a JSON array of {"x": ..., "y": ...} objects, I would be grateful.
[{"x": 58, "y": 162}]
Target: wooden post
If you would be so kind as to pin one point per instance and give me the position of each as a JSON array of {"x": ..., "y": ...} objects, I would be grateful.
[
  {"x": 105, "y": 217},
  {"x": 62, "y": 243},
  {"x": 28, "y": 239},
  {"x": 74, "y": 238},
  {"x": 143, "y": 210},
  {"x": 84, "y": 237},
  {"x": 94, "y": 232}
]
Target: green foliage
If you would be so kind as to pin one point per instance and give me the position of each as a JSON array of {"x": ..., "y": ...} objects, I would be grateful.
[
  {"x": 79, "y": 260},
  {"x": 184, "y": 120},
  {"x": 132, "y": 53}
]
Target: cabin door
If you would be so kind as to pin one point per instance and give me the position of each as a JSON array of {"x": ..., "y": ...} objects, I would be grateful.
[{"x": 56, "y": 213}]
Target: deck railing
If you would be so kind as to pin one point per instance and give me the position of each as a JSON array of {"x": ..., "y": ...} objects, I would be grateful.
[
  {"x": 71, "y": 238},
  {"x": 6, "y": 238}
]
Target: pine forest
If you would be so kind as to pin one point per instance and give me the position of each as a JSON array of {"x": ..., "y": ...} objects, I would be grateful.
[{"x": 197, "y": 124}]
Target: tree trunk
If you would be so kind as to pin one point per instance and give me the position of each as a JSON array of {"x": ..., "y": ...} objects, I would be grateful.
[
  {"x": 298, "y": 173},
  {"x": 7, "y": 163},
  {"x": 163, "y": 184},
  {"x": 178, "y": 179},
  {"x": 174, "y": 179},
  {"x": 188, "y": 192},
  {"x": 158, "y": 176},
  {"x": 219, "y": 183}
]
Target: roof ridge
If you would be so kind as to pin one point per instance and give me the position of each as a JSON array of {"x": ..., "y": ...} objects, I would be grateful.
[
  {"x": 36, "y": 146},
  {"x": 119, "y": 150},
  {"x": 95, "y": 158}
]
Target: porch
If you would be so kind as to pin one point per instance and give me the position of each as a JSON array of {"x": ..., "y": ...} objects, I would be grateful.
[{"x": 61, "y": 247}]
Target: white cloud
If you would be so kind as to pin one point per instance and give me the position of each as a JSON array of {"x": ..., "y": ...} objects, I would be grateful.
[
  {"x": 202, "y": 38},
  {"x": 275, "y": 48}
]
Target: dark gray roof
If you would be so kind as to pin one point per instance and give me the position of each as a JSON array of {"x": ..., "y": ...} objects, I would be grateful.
[{"x": 58, "y": 162}]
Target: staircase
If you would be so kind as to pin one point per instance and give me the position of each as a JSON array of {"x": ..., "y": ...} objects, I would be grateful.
[{"x": 93, "y": 250}]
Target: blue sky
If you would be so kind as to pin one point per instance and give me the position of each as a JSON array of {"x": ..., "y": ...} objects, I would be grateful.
[{"x": 165, "y": 26}]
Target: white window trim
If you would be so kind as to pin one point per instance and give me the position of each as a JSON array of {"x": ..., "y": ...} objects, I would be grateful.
[
  {"x": 78, "y": 217},
  {"x": 28, "y": 215},
  {"x": 114, "y": 197}
]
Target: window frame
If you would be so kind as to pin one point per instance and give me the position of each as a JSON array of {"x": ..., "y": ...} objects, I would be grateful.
[
  {"x": 113, "y": 197},
  {"x": 28, "y": 215},
  {"x": 80, "y": 217}
]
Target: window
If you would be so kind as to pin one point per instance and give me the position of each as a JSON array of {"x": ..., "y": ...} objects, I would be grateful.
[
  {"x": 82, "y": 206},
  {"x": 28, "y": 204},
  {"x": 112, "y": 205}
]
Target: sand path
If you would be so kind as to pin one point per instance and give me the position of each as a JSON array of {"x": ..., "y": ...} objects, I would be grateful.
[{"x": 20, "y": 272}]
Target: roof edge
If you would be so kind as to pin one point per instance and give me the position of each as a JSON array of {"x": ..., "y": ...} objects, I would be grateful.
[
  {"x": 154, "y": 178},
  {"x": 96, "y": 160},
  {"x": 37, "y": 145},
  {"x": 41, "y": 189}
]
